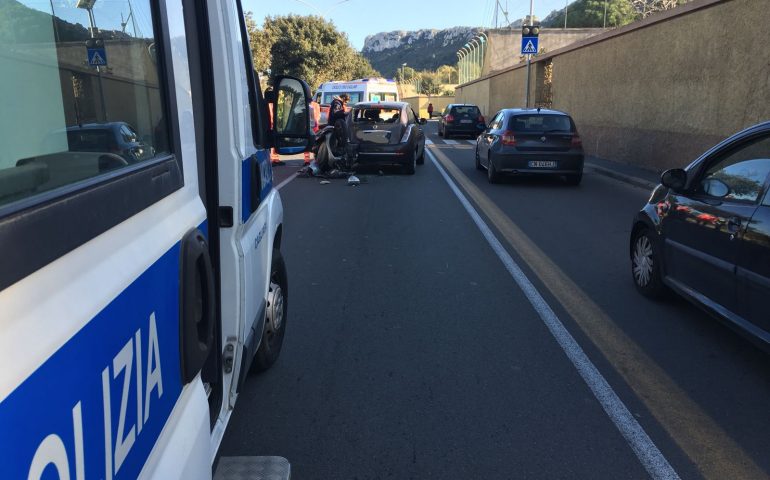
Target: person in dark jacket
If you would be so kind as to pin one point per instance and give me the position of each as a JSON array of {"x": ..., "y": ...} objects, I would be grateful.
[{"x": 337, "y": 117}]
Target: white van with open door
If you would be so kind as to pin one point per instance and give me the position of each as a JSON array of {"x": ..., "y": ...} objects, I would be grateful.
[{"x": 142, "y": 277}]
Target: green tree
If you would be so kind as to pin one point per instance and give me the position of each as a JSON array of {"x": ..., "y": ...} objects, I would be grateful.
[
  {"x": 590, "y": 14},
  {"x": 307, "y": 47},
  {"x": 406, "y": 74}
]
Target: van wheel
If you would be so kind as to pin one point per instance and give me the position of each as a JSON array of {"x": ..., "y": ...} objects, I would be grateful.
[{"x": 275, "y": 321}]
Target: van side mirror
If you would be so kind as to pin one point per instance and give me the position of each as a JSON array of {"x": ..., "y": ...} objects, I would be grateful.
[
  {"x": 675, "y": 179},
  {"x": 290, "y": 112}
]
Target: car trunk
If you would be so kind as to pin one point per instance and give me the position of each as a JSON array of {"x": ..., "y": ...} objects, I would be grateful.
[
  {"x": 465, "y": 116},
  {"x": 542, "y": 133}
]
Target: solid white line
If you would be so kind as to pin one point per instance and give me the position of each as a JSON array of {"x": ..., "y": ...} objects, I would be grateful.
[
  {"x": 283, "y": 184},
  {"x": 428, "y": 141},
  {"x": 646, "y": 451},
  {"x": 450, "y": 142}
]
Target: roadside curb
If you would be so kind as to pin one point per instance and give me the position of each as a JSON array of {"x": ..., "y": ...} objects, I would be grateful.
[{"x": 631, "y": 180}]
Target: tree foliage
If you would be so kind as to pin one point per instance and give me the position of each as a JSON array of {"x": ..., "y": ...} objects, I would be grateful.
[
  {"x": 307, "y": 47},
  {"x": 590, "y": 13}
]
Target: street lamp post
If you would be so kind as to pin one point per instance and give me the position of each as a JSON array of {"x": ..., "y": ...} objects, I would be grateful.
[
  {"x": 403, "y": 66},
  {"x": 475, "y": 57}
]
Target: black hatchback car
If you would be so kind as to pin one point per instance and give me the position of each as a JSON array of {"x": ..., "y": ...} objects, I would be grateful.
[
  {"x": 530, "y": 142},
  {"x": 461, "y": 119},
  {"x": 705, "y": 234}
]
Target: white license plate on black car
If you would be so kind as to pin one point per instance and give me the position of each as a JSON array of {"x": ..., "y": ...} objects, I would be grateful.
[
  {"x": 542, "y": 164},
  {"x": 466, "y": 121}
]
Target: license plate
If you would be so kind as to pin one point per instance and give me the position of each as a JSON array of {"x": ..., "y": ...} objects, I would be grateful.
[
  {"x": 542, "y": 164},
  {"x": 466, "y": 121}
]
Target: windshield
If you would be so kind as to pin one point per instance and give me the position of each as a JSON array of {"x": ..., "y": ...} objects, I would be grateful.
[
  {"x": 355, "y": 97},
  {"x": 383, "y": 97},
  {"x": 376, "y": 115},
  {"x": 540, "y": 123}
]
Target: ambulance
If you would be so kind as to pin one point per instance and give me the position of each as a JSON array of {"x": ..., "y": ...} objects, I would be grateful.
[
  {"x": 142, "y": 277},
  {"x": 360, "y": 90}
]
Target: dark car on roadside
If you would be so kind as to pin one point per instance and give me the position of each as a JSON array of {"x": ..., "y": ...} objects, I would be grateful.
[
  {"x": 530, "y": 142},
  {"x": 118, "y": 138},
  {"x": 461, "y": 119},
  {"x": 705, "y": 234},
  {"x": 386, "y": 134}
]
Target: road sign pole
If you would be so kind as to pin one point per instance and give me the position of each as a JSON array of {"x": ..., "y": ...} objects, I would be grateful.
[{"x": 529, "y": 68}]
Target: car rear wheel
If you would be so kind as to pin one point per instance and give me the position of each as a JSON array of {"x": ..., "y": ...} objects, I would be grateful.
[
  {"x": 492, "y": 174},
  {"x": 574, "y": 178},
  {"x": 275, "y": 321},
  {"x": 440, "y": 131},
  {"x": 645, "y": 264},
  {"x": 411, "y": 167},
  {"x": 446, "y": 133}
]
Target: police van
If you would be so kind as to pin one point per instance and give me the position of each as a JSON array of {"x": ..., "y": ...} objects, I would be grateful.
[{"x": 142, "y": 277}]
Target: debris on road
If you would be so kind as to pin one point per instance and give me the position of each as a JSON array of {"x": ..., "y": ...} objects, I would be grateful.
[{"x": 325, "y": 182}]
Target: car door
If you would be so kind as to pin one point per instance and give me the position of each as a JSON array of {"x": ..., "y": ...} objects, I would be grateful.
[
  {"x": 419, "y": 138},
  {"x": 704, "y": 225},
  {"x": 486, "y": 139},
  {"x": 753, "y": 269}
]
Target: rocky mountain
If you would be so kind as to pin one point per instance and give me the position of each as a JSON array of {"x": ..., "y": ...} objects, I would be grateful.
[{"x": 421, "y": 49}]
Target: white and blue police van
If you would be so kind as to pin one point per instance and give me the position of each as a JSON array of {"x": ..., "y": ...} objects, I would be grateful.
[{"x": 141, "y": 277}]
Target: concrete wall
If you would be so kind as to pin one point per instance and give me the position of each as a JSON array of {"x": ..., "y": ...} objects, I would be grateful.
[
  {"x": 659, "y": 92},
  {"x": 504, "y": 45},
  {"x": 420, "y": 104}
]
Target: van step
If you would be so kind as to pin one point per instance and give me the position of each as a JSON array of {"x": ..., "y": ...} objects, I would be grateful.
[{"x": 253, "y": 468}]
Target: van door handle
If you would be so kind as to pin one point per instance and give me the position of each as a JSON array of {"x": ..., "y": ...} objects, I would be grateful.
[{"x": 197, "y": 305}]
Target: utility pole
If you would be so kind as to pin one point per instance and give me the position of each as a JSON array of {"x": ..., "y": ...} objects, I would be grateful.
[
  {"x": 529, "y": 56},
  {"x": 566, "y": 6}
]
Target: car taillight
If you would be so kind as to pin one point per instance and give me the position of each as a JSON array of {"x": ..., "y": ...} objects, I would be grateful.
[
  {"x": 450, "y": 118},
  {"x": 481, "y": 119},
  {"x": 576, "y": 141},
  {"x": 508, "y": 138}
]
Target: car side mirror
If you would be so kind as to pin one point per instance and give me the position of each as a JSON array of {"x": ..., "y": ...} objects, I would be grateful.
[
  {"x": 675, "y": 179},
  {"x": 422, "y": 121},
  {"x": 290, "y": 102}
]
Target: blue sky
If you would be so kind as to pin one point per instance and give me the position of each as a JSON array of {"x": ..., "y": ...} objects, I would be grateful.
[{"x": 359, "y": 18}]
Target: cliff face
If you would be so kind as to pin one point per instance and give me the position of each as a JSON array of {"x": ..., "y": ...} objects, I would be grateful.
[{"x": 421, "y": 49}]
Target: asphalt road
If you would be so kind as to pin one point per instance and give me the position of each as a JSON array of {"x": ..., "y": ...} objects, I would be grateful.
[{"x": 411, "y": 352}]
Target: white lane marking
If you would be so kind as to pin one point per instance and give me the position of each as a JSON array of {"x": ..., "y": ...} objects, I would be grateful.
[
  {"x": 472, "y": 142},
  {"x": 646, "y": 451},
  {"x": 450, "y": 142},
  {"x": 428, "y": 141},
  {"x": 285, "y": 182}
]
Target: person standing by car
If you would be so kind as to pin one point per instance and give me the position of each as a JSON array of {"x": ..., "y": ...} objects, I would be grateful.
[
  {"x": 337, "y": 117},
  {"x": 430, "y": 110}
]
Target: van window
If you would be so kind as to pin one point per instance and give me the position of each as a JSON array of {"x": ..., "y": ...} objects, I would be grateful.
[
  {"x": 355, "y": 97},
  {"x": 382, "y": 97},
  {"x": 83, "y": 96}
]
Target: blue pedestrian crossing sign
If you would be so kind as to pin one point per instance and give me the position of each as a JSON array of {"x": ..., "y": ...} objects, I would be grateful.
[
  {"x": 97, "y": 57},
  {"x": 529, "y": 45}
]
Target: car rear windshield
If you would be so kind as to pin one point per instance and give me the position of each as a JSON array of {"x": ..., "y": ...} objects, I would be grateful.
[
  {"x": 89, "y": 140},
  {"x": 376, "y": 115},
  {"x": 540, "y": 123},
  {"x": 470, "y": 110}
]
